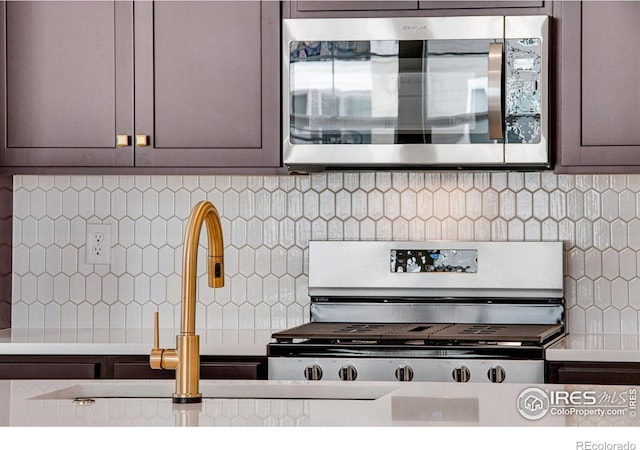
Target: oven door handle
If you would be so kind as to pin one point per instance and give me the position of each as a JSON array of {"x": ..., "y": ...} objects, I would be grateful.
[{"x": 494, "y": 91}]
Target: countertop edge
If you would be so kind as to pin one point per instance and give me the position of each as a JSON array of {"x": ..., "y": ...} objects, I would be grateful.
[
  {"x": 218, "y": 342},
  {"x": 593, "y": 355},
  {"x": 596, "y": 347},
  {"x": 123, "y": 349}
]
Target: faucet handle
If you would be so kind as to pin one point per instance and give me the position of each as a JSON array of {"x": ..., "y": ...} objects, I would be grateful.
[
  {"x": 155, "y": 359},
  {"x": 161, "y": 358},
  {"x": 156, "y": 330}
]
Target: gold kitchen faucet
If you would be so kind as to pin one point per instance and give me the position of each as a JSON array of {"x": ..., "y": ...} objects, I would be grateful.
[{"x": 185, "y": 358}]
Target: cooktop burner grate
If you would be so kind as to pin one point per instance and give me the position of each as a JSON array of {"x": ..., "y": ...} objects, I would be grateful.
[
  {"x": 434, "y": 333},
  {"x": 359, "y": 331},
  {"x": 483, "y": 329},
  {"x": 498, "y": 332}
]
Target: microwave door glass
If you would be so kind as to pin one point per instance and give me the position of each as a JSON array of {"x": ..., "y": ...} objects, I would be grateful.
[
  {"x": 389, "y": 92},
  {"x": 455, "y": 92},
  {"x": 343, "y": 92}
]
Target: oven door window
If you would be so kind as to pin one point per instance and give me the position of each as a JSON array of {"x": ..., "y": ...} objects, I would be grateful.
[{"x": 392, "y": 92}]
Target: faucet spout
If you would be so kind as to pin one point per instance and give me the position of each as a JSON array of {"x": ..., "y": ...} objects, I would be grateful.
[
  {"x": 203, "y": 212},
  {"x": 185, "y": 358}
]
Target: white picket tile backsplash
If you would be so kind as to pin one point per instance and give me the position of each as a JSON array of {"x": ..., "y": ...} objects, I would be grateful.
[{"x": 268, "y": 222}]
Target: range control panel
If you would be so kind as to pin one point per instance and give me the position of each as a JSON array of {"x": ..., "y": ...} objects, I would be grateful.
[{"x": 429, "y": 261}]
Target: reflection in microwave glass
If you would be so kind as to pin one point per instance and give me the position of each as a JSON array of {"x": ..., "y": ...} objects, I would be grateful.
[{"x": 415, "y": 261}]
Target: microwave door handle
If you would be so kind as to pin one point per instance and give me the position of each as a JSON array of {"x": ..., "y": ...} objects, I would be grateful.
[{"x": 494, "y": 91}]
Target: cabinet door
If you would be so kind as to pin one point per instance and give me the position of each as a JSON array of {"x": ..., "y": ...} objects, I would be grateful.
[
  {"x": 428, "y": 4},
  {"x": 599, "y": 93},
  {"x": 311, "y": 5},
  {"x": 211, "y": 368},
  {"x": 69, "y": 83},
  {"x": 306, "y": 8},
  {"x": 207, "y": 83},
  {"x": 424, "y": 4},
  {"x": 32, "y": 367},
  {"x": 569, "y": 372},
  {"x": 6, "y": 230}
]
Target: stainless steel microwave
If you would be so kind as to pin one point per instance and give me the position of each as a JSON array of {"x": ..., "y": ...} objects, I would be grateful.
[{"x": 429, "y": 92}]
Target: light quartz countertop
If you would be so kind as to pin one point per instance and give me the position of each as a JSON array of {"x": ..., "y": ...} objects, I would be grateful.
[
  {"x": 304, "y": 404},
  {"x": 103, "y": 341},
  {"x": 596, "y": 348}
]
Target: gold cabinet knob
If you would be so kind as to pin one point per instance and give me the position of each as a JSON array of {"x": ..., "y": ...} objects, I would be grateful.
[
  {"x": 122, "y": 140},
  {"x": 142, "y": 140}
]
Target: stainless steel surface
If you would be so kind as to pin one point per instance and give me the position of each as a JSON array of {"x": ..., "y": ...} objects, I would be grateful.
[
  {"x": 532, "y": 26},
  {"x": 401, "y": 28},
  {"x": 424, "y": 369},
  {"x": 505, "y": 270},
  {"x": 385, "y": 311},
  {"x": 440, "y": 310},
  {"x": 304, "y": 157},
  {"x": 494, "y": 91}
]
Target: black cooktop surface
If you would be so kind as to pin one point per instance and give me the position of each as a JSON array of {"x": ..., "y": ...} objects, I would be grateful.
[{"x": 427, "y": 332}]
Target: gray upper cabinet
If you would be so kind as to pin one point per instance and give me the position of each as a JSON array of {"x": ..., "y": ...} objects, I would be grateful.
[
  {"x": 207, "y": 83},
  {"x": 598, "y": 108},
  {"x": 69, "y": 83},
  {"x": 479, "y": 4},
  {"x": 312, "y": 5},
  {"x": 360, "y": 8},
  {"x": 168, "y": 84}
]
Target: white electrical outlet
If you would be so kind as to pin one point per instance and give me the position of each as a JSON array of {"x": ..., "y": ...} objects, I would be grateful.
[{"x": 98, "y": 247}]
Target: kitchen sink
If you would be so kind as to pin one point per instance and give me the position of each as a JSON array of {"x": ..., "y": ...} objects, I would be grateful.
[{"x": 222, "y": 389}]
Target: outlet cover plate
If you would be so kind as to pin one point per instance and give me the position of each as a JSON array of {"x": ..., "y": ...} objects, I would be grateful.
[{"x": 98, "y": 243}]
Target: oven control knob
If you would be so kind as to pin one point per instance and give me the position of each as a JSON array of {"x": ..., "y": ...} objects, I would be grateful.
[
  {"x": 313, "y": 373},
  {"x": 461, "y": 374},
  {"x": 348, "y": 373},
  {"x": 404, "y": 373},
  {"x": 496, "y": 374}
]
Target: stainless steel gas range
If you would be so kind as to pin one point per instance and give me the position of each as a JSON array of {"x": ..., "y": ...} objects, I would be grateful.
[{"x": 426, "y": 311}]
